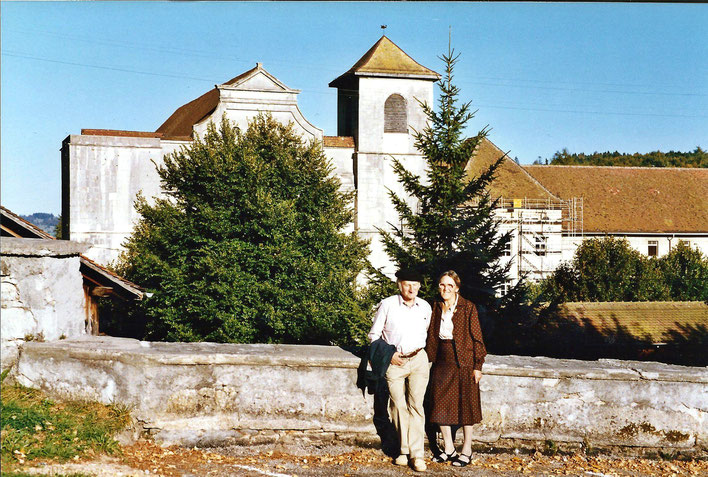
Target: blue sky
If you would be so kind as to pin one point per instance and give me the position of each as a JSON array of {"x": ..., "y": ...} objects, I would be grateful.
[{"x": 543, "y": 76}]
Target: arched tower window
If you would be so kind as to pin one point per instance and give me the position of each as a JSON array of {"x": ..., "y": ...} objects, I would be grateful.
[{"x": 395, "y": 115}]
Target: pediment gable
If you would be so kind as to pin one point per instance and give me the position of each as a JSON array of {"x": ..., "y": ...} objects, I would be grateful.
[{"x": 258, "y": 79}]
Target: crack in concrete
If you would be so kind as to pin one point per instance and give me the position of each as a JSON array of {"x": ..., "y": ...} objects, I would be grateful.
[{"x": 640, "y": 374}]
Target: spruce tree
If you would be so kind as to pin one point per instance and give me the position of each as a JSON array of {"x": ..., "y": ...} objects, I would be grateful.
[
  {"x": 247, "y": 246},
  {"x": 453, "y": 226}
]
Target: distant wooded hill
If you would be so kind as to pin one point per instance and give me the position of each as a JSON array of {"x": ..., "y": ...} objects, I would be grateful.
[
  {"x": 44, "y": 221},
  {"x": 696, "y": 158}
]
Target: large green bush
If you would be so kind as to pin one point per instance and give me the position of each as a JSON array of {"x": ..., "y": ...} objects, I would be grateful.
[{"x": 248, "y": 246}]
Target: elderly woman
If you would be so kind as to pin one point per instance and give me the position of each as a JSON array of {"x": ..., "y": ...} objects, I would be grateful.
[{"x": 456, "y": 349}]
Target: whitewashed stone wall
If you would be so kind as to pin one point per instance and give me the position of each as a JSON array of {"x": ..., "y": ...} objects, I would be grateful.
[
  {"x": 211, "y": 394},
  {"x": 42, "y": 292}
]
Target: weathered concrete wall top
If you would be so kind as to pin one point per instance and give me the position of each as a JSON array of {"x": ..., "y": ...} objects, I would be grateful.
[
  {"x": 210, "y": 393},
  {"x": 14, "y": 247}
]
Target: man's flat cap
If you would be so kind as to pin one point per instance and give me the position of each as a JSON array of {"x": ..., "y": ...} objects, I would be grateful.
[{"x": 409, "y": 275}]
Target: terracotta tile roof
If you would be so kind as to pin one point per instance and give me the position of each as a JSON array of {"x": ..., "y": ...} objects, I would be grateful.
[
  {"x": 653, "y": 321},
  {"x": 338, "y": 141},
  {"x": 511, "y": 181},
  {"x": 180, "y": 124},
  {"x": 632, "y": 199},
  {"x": 15, "y": 226},
  {"x": 385, "y": 58},
  {"x": 182, "y": 121},
  {"x": 119, "y": 133}
]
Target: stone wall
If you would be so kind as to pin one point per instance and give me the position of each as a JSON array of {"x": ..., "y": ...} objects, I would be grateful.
[
  {"x": 42, "y": 292},
  {"x": 210, "y": 394}
]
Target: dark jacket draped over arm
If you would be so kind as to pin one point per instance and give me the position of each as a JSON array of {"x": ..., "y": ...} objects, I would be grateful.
[{"x": 466, "y": 334}]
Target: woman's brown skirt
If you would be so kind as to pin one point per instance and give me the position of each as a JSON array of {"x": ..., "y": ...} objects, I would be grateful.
[{"x": 454, "y": 394}]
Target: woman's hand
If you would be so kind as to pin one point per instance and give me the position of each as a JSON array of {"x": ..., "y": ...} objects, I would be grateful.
[
  {"x": 477, "y": 376},
  {"x": 397, "y": 360}
]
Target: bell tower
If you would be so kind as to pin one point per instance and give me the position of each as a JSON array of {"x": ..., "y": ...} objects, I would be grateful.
[
  {"x": 377, "y": 99},
  {"x": 378, "y": 104}
]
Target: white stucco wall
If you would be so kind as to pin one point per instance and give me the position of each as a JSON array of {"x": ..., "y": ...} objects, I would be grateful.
[
  {"x": 373, "y": 93},
  {"x": 641, "y": 242},
  {"x": 343, "y": 162},
  {"x": 376, "y": 149},
  {"x": 241, "y": 106},
  {"x": 105, "y": 174}
]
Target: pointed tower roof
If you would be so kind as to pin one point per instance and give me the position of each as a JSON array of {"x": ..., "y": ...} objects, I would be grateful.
[{"x": 387, "y": 59}]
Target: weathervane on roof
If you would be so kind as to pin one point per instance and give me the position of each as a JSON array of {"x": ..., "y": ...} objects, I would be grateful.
[{"x": 383, "y": 28}]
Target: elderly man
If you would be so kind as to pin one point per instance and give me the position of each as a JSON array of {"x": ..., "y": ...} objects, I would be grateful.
[{"x": 402, "y": 321}]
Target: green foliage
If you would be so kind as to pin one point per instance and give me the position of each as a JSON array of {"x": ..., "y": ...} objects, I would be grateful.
[
  {"x": 695, "y": 158},
  {"x": 248, "y": 246},
  {"x": 609, "y": 269},
  {"x": 453, "y": 225},
  {"x": 685, "y": 273},
  {"x": 35, "y": 427},
  {"x": 57, "y": 228},
  {"x": 43, "y": 220}
]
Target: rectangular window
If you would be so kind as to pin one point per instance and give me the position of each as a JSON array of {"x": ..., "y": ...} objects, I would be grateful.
[
  {"x": 505, "y": 287},
  {"x": 507, "y": 249},
  {"x": 540, "y": 244},
  {"x": 653, "y": 249}
]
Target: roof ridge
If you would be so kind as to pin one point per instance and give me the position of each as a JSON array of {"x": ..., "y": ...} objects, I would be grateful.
[
  {"x": 573, "y": 166},
  {"x": 507, "y": 157}
]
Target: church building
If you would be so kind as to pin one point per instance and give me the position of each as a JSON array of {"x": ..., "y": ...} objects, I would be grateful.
[
  {"x": 377, "y": 107},
  {"x": 548, "y": 209}
]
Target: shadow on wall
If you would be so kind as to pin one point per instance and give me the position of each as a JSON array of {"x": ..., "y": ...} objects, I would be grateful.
[{"x": 584, "y": 338}]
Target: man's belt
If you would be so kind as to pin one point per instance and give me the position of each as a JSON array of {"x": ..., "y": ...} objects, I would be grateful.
[{"x": 410, "y": 355}]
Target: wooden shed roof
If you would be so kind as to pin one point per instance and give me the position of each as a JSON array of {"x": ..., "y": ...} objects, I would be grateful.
[{"x": 15, "y": 226}]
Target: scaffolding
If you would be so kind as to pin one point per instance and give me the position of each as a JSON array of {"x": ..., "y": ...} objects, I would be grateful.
[{"x": 539, "y": 226}]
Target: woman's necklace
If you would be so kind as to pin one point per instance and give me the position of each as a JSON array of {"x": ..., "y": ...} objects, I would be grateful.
[{"x": 448, "y": 306}]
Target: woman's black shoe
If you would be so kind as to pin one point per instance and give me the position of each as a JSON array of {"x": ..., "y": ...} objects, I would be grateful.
[
  {"x": 443, "y": 457},
  {"x": 459, "y": 462}
]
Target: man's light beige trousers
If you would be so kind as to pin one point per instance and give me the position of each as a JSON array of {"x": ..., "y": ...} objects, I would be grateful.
[{"x": 406, "y": 385}]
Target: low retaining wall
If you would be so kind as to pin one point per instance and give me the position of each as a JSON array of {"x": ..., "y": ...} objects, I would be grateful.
[{"x": 211, "y": 394}]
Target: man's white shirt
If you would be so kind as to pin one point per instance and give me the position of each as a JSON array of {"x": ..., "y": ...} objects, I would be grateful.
[{"x": 402, "y": 326}]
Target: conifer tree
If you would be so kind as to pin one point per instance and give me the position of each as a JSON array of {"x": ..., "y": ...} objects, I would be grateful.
[
  {"x": 453, "y": 226},
  {"x": 248, "y": 244}
]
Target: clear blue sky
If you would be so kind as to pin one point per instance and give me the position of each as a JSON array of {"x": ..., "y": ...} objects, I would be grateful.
[{"x": 587, "y": 77}]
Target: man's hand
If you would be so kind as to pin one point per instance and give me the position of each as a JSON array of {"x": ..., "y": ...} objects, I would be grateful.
[
  {"x": 477, "y": 376},
  {"x": 397, "y": 360}
]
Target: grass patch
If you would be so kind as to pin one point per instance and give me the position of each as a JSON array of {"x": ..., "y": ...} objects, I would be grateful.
[{"x": 34, "y": 427}]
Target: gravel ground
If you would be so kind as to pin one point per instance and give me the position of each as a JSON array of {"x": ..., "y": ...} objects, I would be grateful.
[{"x": 309, "y": 460}]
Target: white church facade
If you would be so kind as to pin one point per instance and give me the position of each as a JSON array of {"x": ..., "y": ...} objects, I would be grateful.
[{"x": 377, "y": 109}]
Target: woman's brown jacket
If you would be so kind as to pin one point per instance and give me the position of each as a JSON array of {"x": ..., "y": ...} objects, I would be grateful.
[{"x": 466, "y": 334}]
